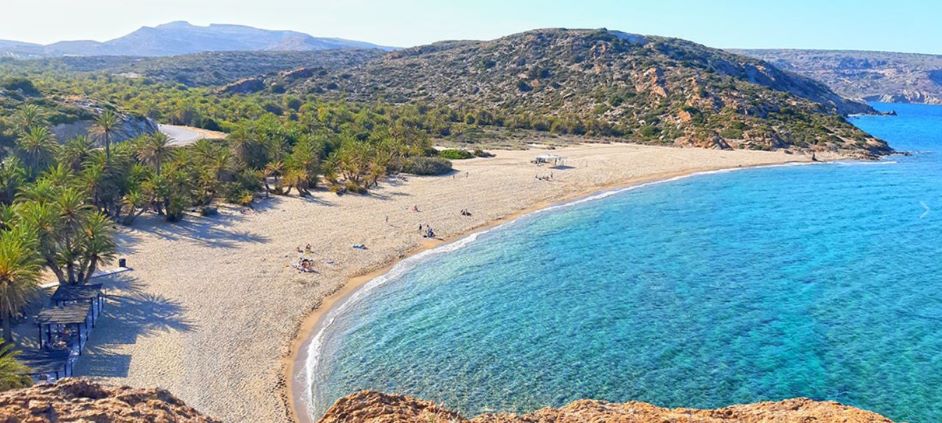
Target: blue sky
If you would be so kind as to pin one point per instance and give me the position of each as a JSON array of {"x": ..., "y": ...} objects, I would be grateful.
[{"x": 898, "y": 25}]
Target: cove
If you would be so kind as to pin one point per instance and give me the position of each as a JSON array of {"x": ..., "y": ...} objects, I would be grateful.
[{"x": 763, "y": 284}]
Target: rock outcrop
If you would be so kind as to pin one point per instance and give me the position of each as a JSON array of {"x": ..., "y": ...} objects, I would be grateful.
[
  {"x": 77, "y": 400},
  {"x": 130, "y": 127},
  {"x": 871, "y": 75},
  {"x": 375, "y": 407}
]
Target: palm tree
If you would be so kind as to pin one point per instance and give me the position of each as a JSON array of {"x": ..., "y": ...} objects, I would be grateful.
[
  {"x": 154, "y": 150},
  {"x": 13, "y": 374},
  {"x": 37, "y": 146},
  {"x": 29, "y": 116},
  {"x": 12, "y": 176},
  {"x": 75, "y": 152},
  {"x": 97, "y": 246},
  {"x": 20, "y": 267},
  {"x": 104, "y": 127}
]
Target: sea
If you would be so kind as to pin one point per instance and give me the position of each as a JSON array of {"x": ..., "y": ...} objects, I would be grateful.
[{"x": 820, "y": 281}]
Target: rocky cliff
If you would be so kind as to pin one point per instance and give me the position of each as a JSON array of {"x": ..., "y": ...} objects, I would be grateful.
[
  {"x": 870, "y": 75},
  {"x": 76, "y": 400},
  {"x": 374, "y": 407}
]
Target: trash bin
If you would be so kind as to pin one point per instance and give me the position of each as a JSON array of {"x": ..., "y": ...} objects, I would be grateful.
[{"x": 122, "y": 262}]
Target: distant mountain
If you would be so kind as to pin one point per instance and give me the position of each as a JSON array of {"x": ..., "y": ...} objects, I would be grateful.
[
  {"x": 868, "y": 75},
  {"x": 652, "y": 89},
  {"x": 177, "y": 38}
]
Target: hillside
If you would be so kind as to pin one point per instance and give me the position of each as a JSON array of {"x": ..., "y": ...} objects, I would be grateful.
[
  {"x": 868, "y": 75},
  {"x": 178, "y": 38},
  {"x": 650, "y": 89},
  {"x": 198, "y": 69},
  {"x": 68, "y": 116},
  {"x": 374, "y": 407}
]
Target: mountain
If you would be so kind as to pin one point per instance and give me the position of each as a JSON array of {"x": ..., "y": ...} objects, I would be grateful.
[
  {"x": 647, "y": 88},
  {"x": 177, "y": 38},
  {"x": 867, "y": 75}
]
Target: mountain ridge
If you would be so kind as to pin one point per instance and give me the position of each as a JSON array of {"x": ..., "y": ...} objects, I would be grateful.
[{"x": 181, "y": 37}]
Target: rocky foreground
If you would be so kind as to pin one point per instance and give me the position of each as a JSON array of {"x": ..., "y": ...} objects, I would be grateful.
[
  {"x": 375, "y": 407},
  {"x": 84, "y": 401}
]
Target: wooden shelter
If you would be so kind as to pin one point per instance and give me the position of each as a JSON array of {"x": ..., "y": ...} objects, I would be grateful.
[
  {"x": 78, "y": 294},
  {"x": 64, "y": 327}
]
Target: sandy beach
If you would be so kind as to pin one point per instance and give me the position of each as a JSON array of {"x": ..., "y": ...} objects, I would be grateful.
[{"x": 213, "y": 311}]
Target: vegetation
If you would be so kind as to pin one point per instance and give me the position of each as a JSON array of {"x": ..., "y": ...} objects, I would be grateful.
[{"x": 13, "y": 375}]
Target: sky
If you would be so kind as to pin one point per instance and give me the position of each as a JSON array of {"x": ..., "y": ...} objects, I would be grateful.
[{"x": 898, "y": 25}]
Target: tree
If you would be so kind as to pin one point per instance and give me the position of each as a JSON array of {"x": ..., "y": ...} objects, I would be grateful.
[
  {"x": 12, "y": 176},
  {"x": 36, "y": 148},
  {"x": 154, "y": 149},
  {"x": 73, "y": 238},
  {"x": 75, "y": 152},
  {"x": 104, "y": 127},
  {"x": 29, "y": 116},
  {"x": 13, "y": 374},
  {"x": 20, "y": 266}
]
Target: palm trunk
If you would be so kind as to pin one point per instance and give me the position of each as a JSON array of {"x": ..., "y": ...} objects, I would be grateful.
[
  {"x": 107, "y": 149},
  {"x": 7, "y": 329}
]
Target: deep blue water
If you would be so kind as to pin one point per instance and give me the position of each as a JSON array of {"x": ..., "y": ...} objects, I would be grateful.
[{"x": 822, "y": 281}]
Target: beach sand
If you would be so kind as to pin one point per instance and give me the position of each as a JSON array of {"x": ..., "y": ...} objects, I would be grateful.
[{"x": 212, "y": 308}]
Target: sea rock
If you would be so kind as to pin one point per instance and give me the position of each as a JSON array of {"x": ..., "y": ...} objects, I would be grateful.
[
  {"x": 79, "y": 400},
  {"x": 375, "y": 407}
]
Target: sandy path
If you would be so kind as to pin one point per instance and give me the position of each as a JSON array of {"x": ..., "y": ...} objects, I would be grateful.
[
  {"x": 186, "y": 135},
  {"x": 212, "y": 306}
]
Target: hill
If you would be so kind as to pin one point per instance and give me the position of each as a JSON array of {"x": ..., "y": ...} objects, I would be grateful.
[
  {"x": 68, "y": 116},
  {"x": 867, "y": 75},
  {"x": 194, "y": 70},
  {"x": 651, "y": 89},
  {"x": 178, "y": 38}
]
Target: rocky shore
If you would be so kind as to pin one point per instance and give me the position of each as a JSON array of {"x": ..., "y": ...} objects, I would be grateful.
[
  {"x": 375, "y": 407},
  {"x": 78, "y": 400}
]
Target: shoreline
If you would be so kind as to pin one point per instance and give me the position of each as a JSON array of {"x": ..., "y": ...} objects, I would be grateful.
[{"x": 294, "y": 393}]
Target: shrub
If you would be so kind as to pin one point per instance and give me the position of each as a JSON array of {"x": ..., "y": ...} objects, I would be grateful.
[
  {"x": 482, "y": 153},
  {"x": 455, "y": 154},
  {"x": 22, "y": 85},
  {"x": 428, "y": 166}
]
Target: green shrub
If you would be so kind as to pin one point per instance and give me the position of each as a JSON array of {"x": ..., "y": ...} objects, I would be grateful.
[
  {"x": 455, "y": 154},
  {"x": 429, "y": 166}
]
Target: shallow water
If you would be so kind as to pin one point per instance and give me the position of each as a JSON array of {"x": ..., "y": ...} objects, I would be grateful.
[{"x": 820, "y": 281}]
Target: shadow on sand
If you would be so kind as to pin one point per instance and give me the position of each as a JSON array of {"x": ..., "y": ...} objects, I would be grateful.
[
  {"x": 129, "y": 313},
  {"x": 211, "y": 231}
]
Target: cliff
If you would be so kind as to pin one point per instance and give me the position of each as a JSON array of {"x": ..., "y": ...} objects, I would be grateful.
[
  {"x": 374, "y": 407},
  {"x": 870, "y": 75},
  {"x": 84, "y": 401}
]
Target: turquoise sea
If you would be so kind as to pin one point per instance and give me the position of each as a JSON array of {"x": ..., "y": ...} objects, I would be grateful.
[{"x": 822, "y": 281}]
